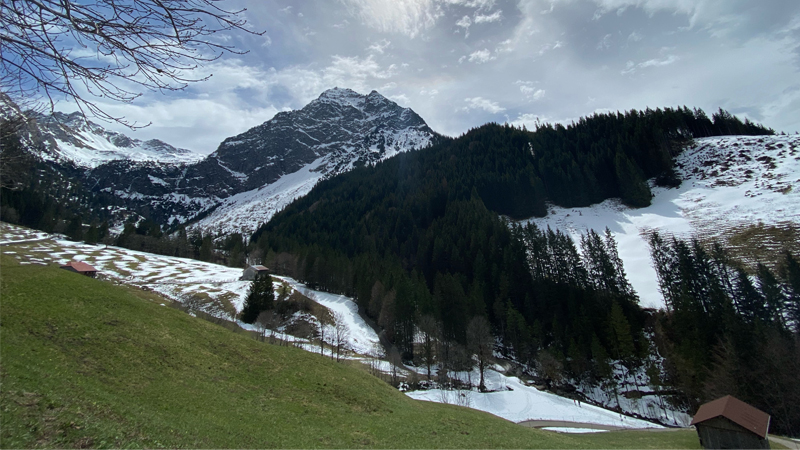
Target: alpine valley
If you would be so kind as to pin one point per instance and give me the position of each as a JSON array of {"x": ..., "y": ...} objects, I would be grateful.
[{"x": 644, "y": 261}]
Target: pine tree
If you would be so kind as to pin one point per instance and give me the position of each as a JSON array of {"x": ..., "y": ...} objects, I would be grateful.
[
  {"x": 791, "y": 277},
  {"x": 632, "y": 185},
  {"x": 260, "y": 297},
  {"x": 773, "y": 295}
]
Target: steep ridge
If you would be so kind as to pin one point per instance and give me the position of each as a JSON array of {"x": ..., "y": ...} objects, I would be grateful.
[
  {"x": 282, "y": 159},
  {"x": 250, "y": 176}
]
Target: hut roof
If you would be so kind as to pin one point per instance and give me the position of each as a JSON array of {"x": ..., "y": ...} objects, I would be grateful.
[
  {"x": 737, "y": 411},
  {"x": 79, "y": 266}
]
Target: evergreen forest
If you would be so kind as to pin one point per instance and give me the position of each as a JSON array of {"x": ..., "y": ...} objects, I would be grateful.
[{"x": 434, "y": 243}]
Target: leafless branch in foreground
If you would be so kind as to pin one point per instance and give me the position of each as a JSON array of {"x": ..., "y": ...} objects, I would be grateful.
[{"x": 87, "y": 50}]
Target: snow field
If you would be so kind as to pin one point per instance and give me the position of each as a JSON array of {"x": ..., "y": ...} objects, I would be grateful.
[
  {"x": 511, "y": 399},
  {"x": 727, "y": 182}
]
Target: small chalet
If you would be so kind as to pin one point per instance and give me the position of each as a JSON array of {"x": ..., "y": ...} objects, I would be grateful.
[
  {"x": 81, "y": 268},
  {"x": 252, "y": 272},
  {"x": 728, "y": 422}
]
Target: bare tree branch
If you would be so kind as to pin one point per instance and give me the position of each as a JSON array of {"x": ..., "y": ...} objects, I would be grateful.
[{"x": 87, "y": 50}]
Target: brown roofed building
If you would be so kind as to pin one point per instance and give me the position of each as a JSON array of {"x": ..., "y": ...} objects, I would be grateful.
[
  {"x": 728, "y": 422},
  {"x": 252, "y": 272},
  {"x": 81, "y": 268}
]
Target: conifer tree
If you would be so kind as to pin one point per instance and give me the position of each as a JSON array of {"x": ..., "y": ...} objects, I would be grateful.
[
  {"x": 260, "y": 297},
  {"x": 632, "y": 185},
  {"x": 773, "y": 295},
  {"x": 791, "y": 277}
]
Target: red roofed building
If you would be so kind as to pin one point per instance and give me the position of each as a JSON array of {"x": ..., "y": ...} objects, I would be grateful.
[
  {"x": 81, "y": 268},
  {"x": 728, "y": 422}
]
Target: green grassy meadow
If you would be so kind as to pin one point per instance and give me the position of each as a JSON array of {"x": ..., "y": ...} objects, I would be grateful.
[{"x": 85, "y": 363}]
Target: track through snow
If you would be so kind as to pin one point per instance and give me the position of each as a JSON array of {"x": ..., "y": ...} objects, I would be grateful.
[{"x": 728, "y": 182}]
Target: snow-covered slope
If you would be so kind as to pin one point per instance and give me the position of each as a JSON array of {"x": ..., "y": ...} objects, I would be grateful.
[
  {"x": 282, "y": 159},
  {"x": 513, "y": 400},
  {"x": 176, "y": 278},
  {"x": 71, "y": 138},
  {"x": 729, "y": 182}
]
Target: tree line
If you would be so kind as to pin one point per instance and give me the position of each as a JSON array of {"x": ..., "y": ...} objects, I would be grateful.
[{"x": 730, "y": 330}]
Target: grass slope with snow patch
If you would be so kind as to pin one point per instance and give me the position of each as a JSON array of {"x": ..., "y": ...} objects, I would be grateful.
[
  {"x": 179, "y": 279},
  {"x": 87, "y": 363}
]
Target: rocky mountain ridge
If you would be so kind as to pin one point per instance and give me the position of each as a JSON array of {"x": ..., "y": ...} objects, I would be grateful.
[{"x": 334, "y": 133}]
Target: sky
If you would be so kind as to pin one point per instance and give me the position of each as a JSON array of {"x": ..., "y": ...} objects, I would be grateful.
[{"x": 462, "y": 63}]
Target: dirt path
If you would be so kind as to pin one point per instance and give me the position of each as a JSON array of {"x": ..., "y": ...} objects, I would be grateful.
[
  {"x": 591, "y": 426},
  {"x": 788, "y": 443},
  {"x": 566, "y": 424}
]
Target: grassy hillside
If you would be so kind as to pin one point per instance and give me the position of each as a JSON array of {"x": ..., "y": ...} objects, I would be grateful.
[{"x": 89, "y": 364}]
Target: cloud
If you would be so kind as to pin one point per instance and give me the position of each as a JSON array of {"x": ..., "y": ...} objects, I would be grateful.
[
  {"x": 379, "y": 47},
  {"x": 409, "y": 17},
  {"x": 480, "y": 4},
  {"x": 482, "y": 104},
  {"x": 400, "y": 99},
  {"x": 494, "y": 17},
  {"x": 530, "y": 91},
  {"x": 480, "y": 56},
  {"x": 604, "y": 43},
  {"x": 465, "y": 22},
  {"x": 631, "y": 67}
]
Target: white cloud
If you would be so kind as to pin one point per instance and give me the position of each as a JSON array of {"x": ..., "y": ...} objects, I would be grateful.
[
  {"x": 634, "y": 37},
  {"x": 480, "y": 4},
  {"x": 379, "y": 47},
  {"x": 480, "y": 56},
  {"x": 409, "y": 17},
  {"x": 530, "y": 91},
  {"x": 341, "y": 25},
  {"x": 483, "y": 104},
  {"x": 400, "y": 99},
  {"x": 465, "y": 22},
  {"x": 604, "y": 43},
  {"x": 494, "y": 17},
  {"x": 631, "y": 67}
]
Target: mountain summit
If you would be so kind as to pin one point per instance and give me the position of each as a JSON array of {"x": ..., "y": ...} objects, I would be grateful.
[
  {"x": 268, "y": 166},
  {"x": 344, "y": 127},
  {"x": 249, "y": 177}
]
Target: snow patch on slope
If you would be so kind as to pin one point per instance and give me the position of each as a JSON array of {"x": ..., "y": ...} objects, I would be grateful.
[
  {"x": 513, "y": 400},
  {"x": 727, "y": 182},
  {"x": 244, "y": 212}
]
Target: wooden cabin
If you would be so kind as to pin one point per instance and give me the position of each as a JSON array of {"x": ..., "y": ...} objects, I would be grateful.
[
  {"x": 81, "y": 268},
  {"x": 252, "y": 272},
  {"x": 728, "y": 422}
]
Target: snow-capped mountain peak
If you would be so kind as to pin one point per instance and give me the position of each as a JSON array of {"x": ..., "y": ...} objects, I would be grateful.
[
  {"x": 72, "y": 139},
  {"x": 339, "y": 130}
]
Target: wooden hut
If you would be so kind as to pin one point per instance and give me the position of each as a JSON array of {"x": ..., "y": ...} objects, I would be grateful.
[
  {"x": 252, "y": 272},
  {"x": 728, "y": 422},
  {"x": 81, "y": 268}
]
